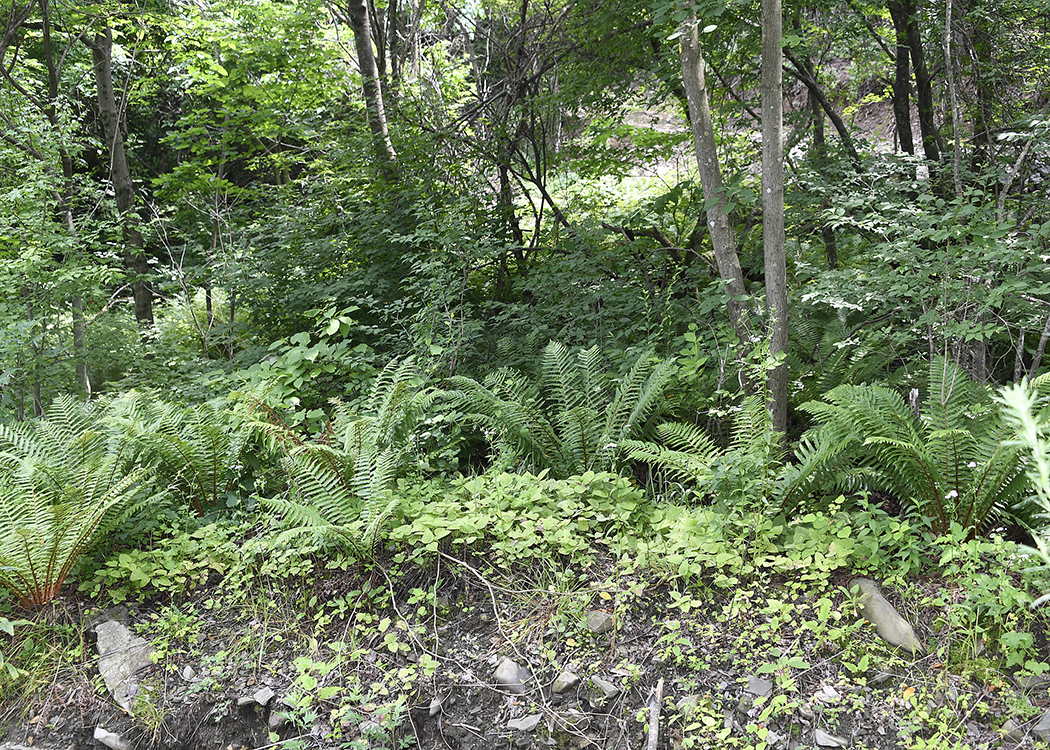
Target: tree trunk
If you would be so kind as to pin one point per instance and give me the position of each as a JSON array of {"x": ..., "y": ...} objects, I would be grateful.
[
  {"x": 901, "y": 79},
  {"x": 773, "y": 242},
  {"x": 799, "y": 71},
  {"x": 931, "y": 139},
  {"x": 711, "y": 180},
  {"x": 120, "y": 175},
  {"x": 384, "y": 149}
]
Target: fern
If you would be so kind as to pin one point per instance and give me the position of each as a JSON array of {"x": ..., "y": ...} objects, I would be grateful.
[
  {"x": 956, "y": 463},
  {"x": 340, "y": 486},
  {"x": 61, "y": 489},
  {"x": 198, "y": 451},
  {"x": 568, "y": 422},
  {"x": 744, "y": 474}
]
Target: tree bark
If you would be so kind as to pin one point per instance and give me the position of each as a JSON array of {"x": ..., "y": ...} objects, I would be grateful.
[
  {"x": 773, "y": 242},
  {"x": 120, "y": 175},
  {"x": 799, "y": 71},
  {"x": 931, "y": 139},
  {"x": 357, "y": 10},
  {"x": 722, "y": 240},
  {"x": 901, "y": 78}
]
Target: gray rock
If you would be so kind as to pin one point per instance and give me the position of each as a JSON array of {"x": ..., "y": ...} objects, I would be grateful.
[
  {"x": 111, "y": 739},
  {"x": 687, "y": 705},
  {"x": 823, "y": 739},
  {"x": 759, "y": 687},
  {"x": 525, "y": 723},
  {"x": 120, "y": 656},
  {"x": 188, "y": 673},
  {"x": 245, "y": 700},
  {"x": 263, "y": 696},
  {"x": 435, "y": 705},
  {"x": 277, "y": 721},
  {"x": 511, "y": 677},
  {"x": 888, "y": 623},
  {"x": 566, "y": 681},
  {"x": 1012, "y": 731},
  {"x": 602, "y": 692},
  {"x": 599, "y": 622},
  {"x": 827, "y": 695},
  {"x": 1042, "y": 727}
]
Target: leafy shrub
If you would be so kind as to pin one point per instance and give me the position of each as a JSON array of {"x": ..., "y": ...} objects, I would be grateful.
[
  {"x": 521, "y": 517},
  {"x": 61, "y": 489},
  {"x": 568, "y": 422}
]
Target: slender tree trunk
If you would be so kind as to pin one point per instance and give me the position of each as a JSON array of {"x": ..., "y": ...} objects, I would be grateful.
[
  {"x": 773, "y": 242},
  {"x": 384, "y": 149},
  {"x": 901, "y": 78},
  {"x": 120, "y": 175},
  {"x": 722, "y": 240},
  {"x": 931, "y": 139},
  {"x": 953, "y": 98},
  {"x": 65, "y": 208},
  {"x": 799, "y": 71}
]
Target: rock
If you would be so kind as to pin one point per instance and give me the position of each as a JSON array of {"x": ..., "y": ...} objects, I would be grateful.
[
  {"x": 263, "y": 696},
  {"x": 893, "y": 628},
  {"x": 823, "y": 739},
  {"x": 435, "y": 706},
  {"x": 759, "y": 687},
  {"x": 245, "y": 700},
  {"x": 566, "y": 681},
  {"x": 1042, "y": 727},
  {"x": 525, "y": 723},
  {"x": 687, "y": 705},
  {"x": 110, "y": 739},
  {"x": 827, "y": 695},
  {"x": 1033, "y": 682},
  {"x": 602, "y": 692},
  {"x": 599, "y": 622},
  {"x": 120, "y": 656},
  {"x": 1012, "y": 731},
  {"x": 511, "y": 677},
  {"x": 188, "y": 673}
]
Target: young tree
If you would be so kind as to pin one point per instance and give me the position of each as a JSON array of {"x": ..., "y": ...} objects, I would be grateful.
[{"x": 773, "y": 205}]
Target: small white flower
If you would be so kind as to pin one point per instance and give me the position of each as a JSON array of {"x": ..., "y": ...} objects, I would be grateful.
[{"x": 951, "y": 495}]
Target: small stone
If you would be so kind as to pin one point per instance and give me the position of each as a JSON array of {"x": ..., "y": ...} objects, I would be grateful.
[
  {"x": 511, "y": 677},
  {"x": 188, "y": 673},
  {"x": 1042, "y": 727},
  {"x": 435, "y": 705},
  {"x": 111, "y": 739},
  {"x": 1012, "y": 732},
  {"x": 602, "y": 692},
  {"x": 525, "y": 723},
  {"x": 823, "y": 739},
  {"x": 1033, "y": 682},
  {"x": 277, "y": 721},
  {"x": 599, "y": 622},
  {"x": 245, "y": 700},
  {"x": 827, "y": 695},
  {"x": 759, "y": 687},
  {"x": 566, "y": 681},
  {"x": 888, "y": 623},
  {"x": 687, "y": 705},
  {"x": 263, "y": 696}
]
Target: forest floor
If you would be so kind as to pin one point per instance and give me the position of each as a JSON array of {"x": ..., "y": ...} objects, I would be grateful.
[{"x": 388, "y": 656}]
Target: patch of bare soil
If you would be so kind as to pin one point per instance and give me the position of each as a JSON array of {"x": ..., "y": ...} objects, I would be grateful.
[{"x": 766, "y": 665}]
